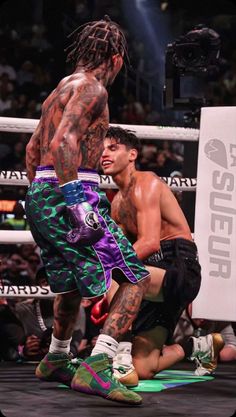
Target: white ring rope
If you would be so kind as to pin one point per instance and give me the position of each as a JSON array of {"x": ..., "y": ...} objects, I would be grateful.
[
  {"x": 15, "y": 237},
  {"x": 14, "y": 124},
  {"x": 19, "y": 178}
]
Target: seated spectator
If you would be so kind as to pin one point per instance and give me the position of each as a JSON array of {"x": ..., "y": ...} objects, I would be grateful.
[
  {"x": 27, "y": 249},
  {"x": 22, "y": 104},
  {"x": 11, "y": 332},
  {"x": 5, "y": 102},
  {"x": 27, "y": 327},
  {"x": 152, "y": 116},
  {"x": 25, "y": 73},
  {"x": 33, "y": 110},
  {"x": 10, "y": 328},
  {"x": 174, "y": 157},
  {"x": 147, "y": 158},
  {"x": 39, "y": 39},
  {"x": 161, "y": 168},
  {"x": 25, "y": 80},
  {"x": 17, "y": 271},
  {"x": 18, "y": 156},
  {"x": 165, "y": 165},
  {"x": 34, "y": 263},
  {"x": 6, "y": 68},
  {"x": 5, "y": 151},
  {"x": 6, "y": 86}
]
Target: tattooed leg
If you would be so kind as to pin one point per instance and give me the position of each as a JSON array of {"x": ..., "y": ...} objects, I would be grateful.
[
  {"x": 124, "y": 308},
  {"x": 66, "y": 309}
]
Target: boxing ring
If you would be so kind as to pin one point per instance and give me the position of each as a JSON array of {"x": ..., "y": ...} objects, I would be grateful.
[
  {"x": 213, "y": 219},
  {"x": 56, "y": 400}
]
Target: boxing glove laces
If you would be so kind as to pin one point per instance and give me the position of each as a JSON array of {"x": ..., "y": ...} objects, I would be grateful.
[{"x": 87, "y": 229}]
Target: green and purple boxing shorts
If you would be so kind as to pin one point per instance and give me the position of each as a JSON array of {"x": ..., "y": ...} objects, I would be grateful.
[{"x": 89, "y": 268}]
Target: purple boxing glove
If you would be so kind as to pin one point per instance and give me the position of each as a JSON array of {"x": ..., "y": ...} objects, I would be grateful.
[{"x": 87, "y": 228}]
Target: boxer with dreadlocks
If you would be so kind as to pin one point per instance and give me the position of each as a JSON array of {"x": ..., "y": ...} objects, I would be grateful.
[{"x": 68, "y": 214}]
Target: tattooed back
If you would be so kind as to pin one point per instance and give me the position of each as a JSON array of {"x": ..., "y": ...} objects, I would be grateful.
[{"x": 77, "y": 108}]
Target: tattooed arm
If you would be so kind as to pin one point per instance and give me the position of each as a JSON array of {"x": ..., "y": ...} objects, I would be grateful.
[
  {"x": 83, "y": 108},
  {"x": 33, "y": 153}
]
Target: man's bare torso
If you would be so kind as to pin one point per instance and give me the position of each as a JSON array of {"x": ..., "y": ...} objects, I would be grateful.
[
  {"x": 124, "y": 209},
  {"x": 91, "y": 145}
]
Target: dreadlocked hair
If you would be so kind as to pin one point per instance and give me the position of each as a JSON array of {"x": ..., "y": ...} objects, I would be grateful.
[
  {"x": 96, "y": 42},
  {"x": 124, "y": 137}
]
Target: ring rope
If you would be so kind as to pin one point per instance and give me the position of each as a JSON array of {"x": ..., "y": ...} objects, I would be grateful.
[
  {"x": 14, "y": 124},
  {"x": 19, "y": 178},
  {"x": 15, "y": 237}
]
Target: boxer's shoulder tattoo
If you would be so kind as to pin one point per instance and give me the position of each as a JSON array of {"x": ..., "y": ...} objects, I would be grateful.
[{"x": 89, "y": 103}]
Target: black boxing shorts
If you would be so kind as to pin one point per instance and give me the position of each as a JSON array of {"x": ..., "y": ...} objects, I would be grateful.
[{"x": 181, "y": 285}]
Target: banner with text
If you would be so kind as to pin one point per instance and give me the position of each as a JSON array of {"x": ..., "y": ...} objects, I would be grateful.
[{"x": 215, "y": 214}]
